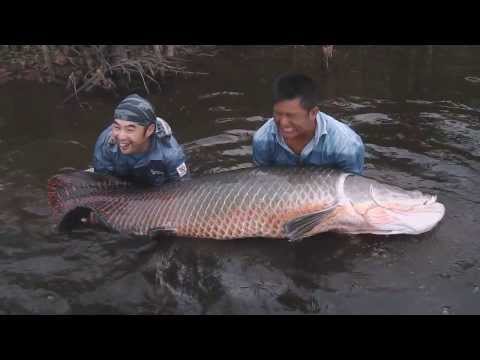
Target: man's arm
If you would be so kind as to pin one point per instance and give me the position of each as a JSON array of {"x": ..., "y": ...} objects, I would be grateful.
[
  {"x": 261, "y": 153},
  {"x": 352, "y": 159},
  {"x": 102, "y": 159},
  {"x": 175, "y": 162}
]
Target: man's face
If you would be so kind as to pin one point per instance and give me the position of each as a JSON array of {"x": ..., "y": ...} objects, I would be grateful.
[
  {"x": 131, "y": 137},
  {"x": 293, "y": 121}
]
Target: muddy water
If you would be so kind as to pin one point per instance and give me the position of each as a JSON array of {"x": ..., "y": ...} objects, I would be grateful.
[{"x": 418, "y": 116}]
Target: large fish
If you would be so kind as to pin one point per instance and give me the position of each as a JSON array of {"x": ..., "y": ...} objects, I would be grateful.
[{"x": 292, "y": 203}]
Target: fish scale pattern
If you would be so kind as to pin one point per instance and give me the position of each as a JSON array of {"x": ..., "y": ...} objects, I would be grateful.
[{"x": 255, "y": 202}]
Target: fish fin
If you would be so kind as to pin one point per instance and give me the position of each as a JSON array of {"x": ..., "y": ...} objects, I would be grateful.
[
  {"x": 297, "y": 228},
  {"x": 162, "y": 230}
]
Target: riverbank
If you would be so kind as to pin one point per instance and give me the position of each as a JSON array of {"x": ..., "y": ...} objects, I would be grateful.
[{"x": 83, "y": 68}]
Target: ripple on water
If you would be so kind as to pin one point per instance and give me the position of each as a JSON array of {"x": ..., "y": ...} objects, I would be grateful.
[
  {"x": 128, "y": 294},
  {"x": 241, "y": 151},
  {"x": 30, "y": 159},
  {"x": 220, "y": 93},
  {"x": 239, "y": 120},
  {"x": 371, "y": 119},
  {"x": 220, "y": 109},
  {"x": 473, "y": 79},
  {"x": 212, "y": 141},
  {"x": 15, "y": 299}
]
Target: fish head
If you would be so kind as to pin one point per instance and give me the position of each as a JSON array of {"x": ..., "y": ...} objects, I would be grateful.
[{"x": 386, "y": 209}]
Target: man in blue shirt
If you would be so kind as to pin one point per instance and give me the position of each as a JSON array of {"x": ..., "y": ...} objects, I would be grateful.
[
  {"x": 299, "y": 134},
  {"x": 139, "y": 146}
]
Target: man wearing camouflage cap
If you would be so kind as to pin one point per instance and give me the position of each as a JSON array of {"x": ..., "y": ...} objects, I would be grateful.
[{"x": 139, "y": 146}]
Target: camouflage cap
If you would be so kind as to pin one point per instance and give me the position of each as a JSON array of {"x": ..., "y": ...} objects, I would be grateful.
[{"x": 137, "y": 109}]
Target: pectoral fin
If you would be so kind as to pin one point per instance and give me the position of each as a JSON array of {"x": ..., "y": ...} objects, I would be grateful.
[{"x": 297, "y": 228}]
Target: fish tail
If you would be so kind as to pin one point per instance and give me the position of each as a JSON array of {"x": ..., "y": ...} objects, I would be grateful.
[
  {"x": 58, "y": 194},
  {"x": 69, "y": 191}
]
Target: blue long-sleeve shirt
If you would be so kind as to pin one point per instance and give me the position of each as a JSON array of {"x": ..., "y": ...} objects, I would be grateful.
[
  {"x": 334, "y": 144},
  {"x": 163, "y": 162}
]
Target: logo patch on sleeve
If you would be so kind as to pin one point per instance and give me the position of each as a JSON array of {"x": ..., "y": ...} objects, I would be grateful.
[
  {"x": 182, "y": 170},
  {"x": 156, "y": 172}
]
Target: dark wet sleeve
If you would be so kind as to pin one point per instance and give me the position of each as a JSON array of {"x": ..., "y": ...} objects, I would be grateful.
[
  {"x": 102, "y": 160},
  {"x": 261, "y": 153},
  {"x": 352, "y": 160},
  {"x": 175, "y": 162}
]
